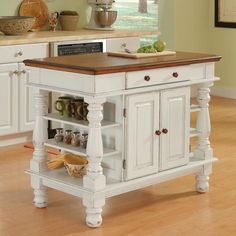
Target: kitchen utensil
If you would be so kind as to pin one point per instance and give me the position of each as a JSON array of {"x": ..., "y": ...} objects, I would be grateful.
[
  {"x": 97, "y": 23},
  {"x": 140, "y": 55},
  {"x": 105, "y": 18},
  {"x": 37, "y": 9},
  {"x": 14, "y": 25}
]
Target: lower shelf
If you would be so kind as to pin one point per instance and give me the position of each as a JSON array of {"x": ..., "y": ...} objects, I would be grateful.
[
  {"x": 77, "y": 150},
  {"x": 59, "y": 179}
]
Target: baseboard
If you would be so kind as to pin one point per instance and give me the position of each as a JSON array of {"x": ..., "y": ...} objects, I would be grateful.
[
  {"x": 18, "y": 138},
  {"x": 225, "y": 92}
]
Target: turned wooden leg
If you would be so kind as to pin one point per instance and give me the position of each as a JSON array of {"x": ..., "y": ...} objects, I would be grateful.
[
  {"x": 202, "y": 183},
  {"x": 94, "y": 180},
  {"x": 38, "y": 163},
  {"x": 203, "y": 150}
]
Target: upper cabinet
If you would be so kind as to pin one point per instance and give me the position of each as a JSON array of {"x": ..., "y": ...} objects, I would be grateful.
[{"x": 16, "y": 99}]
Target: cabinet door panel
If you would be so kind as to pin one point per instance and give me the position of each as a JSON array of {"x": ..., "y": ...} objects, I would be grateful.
[
  {"x": 8, "y": 99},
  {"x": 141, "y": 141},
  {"x": 175, "y": 105},
  {"x": 27, "y": 111}
]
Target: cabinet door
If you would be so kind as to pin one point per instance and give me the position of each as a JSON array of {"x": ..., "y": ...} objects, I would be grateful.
[
  {"x": 175, "y": 105},
  {"x": 27, "y": 111},
  {"x": 8, "y": 99},
  {"x": 142, "y": 145}
]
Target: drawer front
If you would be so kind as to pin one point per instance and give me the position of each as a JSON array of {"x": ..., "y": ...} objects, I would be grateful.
[
  {"x": 157, "y": 76},
  {"x": 118, "y": 44},
  {"x": 18, "y": 53}
]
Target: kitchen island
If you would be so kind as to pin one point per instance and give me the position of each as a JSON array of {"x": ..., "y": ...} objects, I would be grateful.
[{"x": 138, "y": 123}]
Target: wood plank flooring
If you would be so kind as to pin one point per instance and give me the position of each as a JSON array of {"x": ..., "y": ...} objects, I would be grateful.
[{"x": 168, "y": 209}]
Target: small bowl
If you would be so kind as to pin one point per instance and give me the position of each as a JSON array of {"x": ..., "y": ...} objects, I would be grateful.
[
  {"x": 75, "y": 170},
  {"x": 105, "y": 18},
  {"x": 16, "y": 25}
]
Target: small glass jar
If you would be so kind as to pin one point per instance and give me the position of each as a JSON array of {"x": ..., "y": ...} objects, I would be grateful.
[
  {"x": 83, "y": 140},
  {"x": 75, "y": 140},
  {"x": 68, "y": 136},
  {"x": 59, "y": 135}
]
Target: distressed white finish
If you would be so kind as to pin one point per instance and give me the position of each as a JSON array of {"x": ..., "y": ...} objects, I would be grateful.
[
  {"x": 38, "y": 163},
  {"x": 17, "y": 112},
  {"x": 94, "y": 180},
  {"x": 9, "y": 99},
  {"x": 27, "y": 111},
  {"x": 18, "y": 53},
  {"x": 203, "y": 150},
  {"x": 149, "y": 158},
  {"x": 136, "y": 79},
  {"x": 141, "y": 142},
  {"x": 175, "y": 107}
]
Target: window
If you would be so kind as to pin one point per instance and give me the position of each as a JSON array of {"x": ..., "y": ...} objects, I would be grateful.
[{"x": 138, "y": 15}]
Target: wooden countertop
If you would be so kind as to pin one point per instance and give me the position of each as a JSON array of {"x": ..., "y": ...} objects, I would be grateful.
[
  {"x": 80, "y": 34},
  {"x": 101, "y": 63}
]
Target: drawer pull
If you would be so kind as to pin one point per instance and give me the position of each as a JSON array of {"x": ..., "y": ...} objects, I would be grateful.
[
  {"x": 19, "y": 54},
  {"x": 165, "y": 131},
  {"x": 147, "y": 78},
  {"x": 158, "y": 132},
  {"x": 123, "y": 45},
  {"x": 23, "y": 71},
  {"x": 175, "y": 74}
]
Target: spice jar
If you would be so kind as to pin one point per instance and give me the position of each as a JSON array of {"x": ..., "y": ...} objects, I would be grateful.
[
  {"x": 59, "y": 135},
  {"x": 83, "y": 140},
  {"x": 75, "y": 140},
  {"x": 68, "y": 136}
]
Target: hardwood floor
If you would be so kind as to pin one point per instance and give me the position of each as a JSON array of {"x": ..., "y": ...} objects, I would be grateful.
[{"x": 172, "y": 208}]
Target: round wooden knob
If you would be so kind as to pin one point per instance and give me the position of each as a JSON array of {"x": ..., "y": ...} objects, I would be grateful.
[
  {"x": 147, "y": 78},
  {"x": 175, "y": 74},
  {"x": 158, "y": 132},
  {"x": 165, "y": 131}
]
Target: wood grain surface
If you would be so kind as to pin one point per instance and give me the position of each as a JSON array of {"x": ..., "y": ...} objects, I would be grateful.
[
  {"x": 169, "y": 209},
  {"x": 36, "y": 8},
  {"x": 140, "y": 55},
  {"x": 101, "y": 63}
]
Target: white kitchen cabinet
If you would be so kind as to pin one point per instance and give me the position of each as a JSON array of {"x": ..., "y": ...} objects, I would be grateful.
[
  {"x": 27, "y": 111},
  {"x": 8, "y": 98},
  {"x": 142, "y": 145},
  {"x": 174, "y": 123},
  {"x": 17, "y": 109},
  {"x": 151, "y": 134}
]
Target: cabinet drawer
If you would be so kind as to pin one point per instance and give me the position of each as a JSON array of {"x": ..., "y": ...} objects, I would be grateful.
[
  {"x": 157, "y": 76},
  {"x": 18, "y": 53},
  {"x": 118, "y": 44}
]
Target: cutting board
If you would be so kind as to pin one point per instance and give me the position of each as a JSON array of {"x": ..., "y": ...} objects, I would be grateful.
[
  {"x": 36, "y": 8},
  {"x": 140, "y": 55}
]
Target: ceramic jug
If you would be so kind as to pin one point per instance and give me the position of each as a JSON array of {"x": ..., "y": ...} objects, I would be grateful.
[{"x": 63, "y": 106}]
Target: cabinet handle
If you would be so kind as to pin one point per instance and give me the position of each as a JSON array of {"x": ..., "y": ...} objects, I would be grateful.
[
  {"x": 123, "y": 45},
  {"x": 164, "y": 131},
  {"x": 158, "y": 132},
  {"x": 175, "y": 74},
  {"x": 19, "y": 54},
  {"x": 23, "y": 71},
  {"x": 147, "y": 78}
]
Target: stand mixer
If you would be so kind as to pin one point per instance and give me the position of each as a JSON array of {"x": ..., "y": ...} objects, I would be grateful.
[{"x": 102, "y": 17}]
